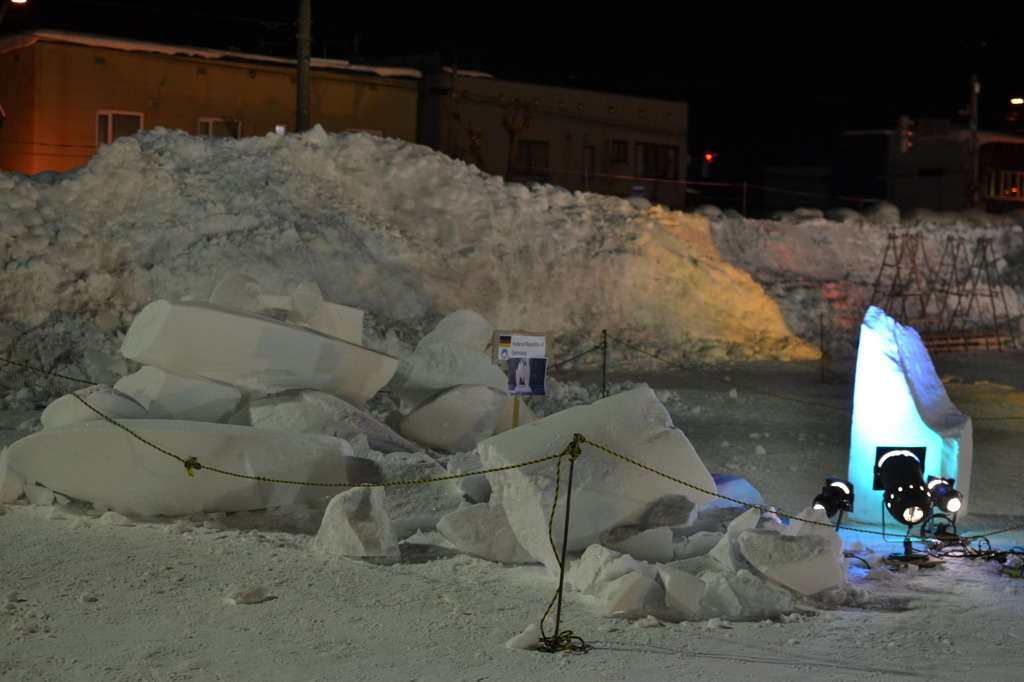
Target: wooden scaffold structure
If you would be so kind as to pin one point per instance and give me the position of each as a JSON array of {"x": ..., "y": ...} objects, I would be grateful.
[{"x": 958, "y": 305}]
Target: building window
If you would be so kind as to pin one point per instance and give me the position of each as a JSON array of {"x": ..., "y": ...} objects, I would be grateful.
[
  {"x": 1005, "y": 184},
  {"x": 531, "y": 159},
  {"x": 620, "y": 151},
  {"x": 219, "y": 127},
  {"x": 657, "y": 161},
  {"x": 111, "y": 125}
]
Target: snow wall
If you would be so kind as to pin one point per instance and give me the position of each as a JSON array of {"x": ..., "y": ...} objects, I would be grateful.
[{"x": 409, "y": 235}]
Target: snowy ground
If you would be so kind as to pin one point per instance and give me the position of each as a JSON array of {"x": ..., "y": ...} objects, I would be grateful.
[{"x": 89, "y": 601}]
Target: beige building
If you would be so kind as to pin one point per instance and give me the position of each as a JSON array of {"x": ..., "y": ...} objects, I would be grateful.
[
  {"x": 62, "y": 95},
  {"x": 578, "y": 139}
]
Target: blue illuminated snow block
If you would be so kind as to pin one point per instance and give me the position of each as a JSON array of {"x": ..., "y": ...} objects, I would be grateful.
[{"x": 899, "y": 401}]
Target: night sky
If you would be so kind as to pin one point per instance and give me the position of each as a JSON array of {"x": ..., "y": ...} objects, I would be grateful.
[{"x": 766, "y": 86}]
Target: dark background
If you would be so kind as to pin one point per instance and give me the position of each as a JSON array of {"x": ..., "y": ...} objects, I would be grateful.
[{"x": 766, "y": 85}]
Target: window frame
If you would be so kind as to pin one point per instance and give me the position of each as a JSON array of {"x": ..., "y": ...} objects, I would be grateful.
[{"x": 107, "y": 135}]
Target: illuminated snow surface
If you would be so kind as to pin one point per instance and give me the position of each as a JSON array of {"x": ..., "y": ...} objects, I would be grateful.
[{"x": 408, "y": 236}]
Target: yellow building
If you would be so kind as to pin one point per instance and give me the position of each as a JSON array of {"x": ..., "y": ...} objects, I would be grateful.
[
  {"x": 578, "y": 139},
  {"x": 62, "y": 95}
]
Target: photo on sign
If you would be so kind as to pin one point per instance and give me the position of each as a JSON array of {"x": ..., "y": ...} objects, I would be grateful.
[{"x": 526, "y": 376}]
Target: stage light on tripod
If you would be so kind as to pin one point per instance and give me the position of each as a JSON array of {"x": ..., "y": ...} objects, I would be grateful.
[
  {"x": 900, "y": 474},
  {"x": 944, "y": 496},
  {"x": 836, "y": 496}
]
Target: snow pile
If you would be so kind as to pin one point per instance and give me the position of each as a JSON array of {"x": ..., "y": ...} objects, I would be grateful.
[
  {"x": 823, "y": 272},
  {"x": 756, "y": 569},
  {"x": 391, "y": 228}
]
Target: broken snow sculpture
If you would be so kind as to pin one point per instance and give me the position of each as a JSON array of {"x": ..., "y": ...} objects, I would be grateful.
[
  {"x": 607, "y": 491},
  {"x": 305, "y": 307},
  {"x": 466, "y": 327},
  {"x": 683, "y": 591},
  {"x": 483, "y": 530},
  {"x": 455, "y": 420},
  {"x": 443, "y": 365},
  {"x": 202, "y": 361},
  {"x": 899, "y": 401},
  {"x": 420, "y": 504},
  {"x": 12, "y": 484},
  {"x": 111, "y": 402},
  {"x": 100, "y": 463},
  {"x": 309, "y": 411},
  {"x": 646, "y": 544},
  {"x": 615, "y": 583},
  {"x": 758, "y": 569},
  {"x": 725, "y": 552},
  {"x": 804, "y": 563},
  {"x": 174, "y": 395},
  {"x": 253, "y": 352},
  {"x": 239, "y": 291},
  {"x": 310, "y": 309},
  {"x": 452, "y": 394},
  {"x": 474, "y": 488},
  {"x": 356, "y": 524},
  {"x": 512, "y": 416}
]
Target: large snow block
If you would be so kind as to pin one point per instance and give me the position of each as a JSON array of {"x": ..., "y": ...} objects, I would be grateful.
[
  {"x": 107, "y": 401},
  {"x": 174, "y": 395},
  {"x": 100, "y": 463},
  {"x": 322, "y": 413},
  {"x": 628, "y": 595},
  {"x": 482, "y": 530},
  {"x": 305, "y": 307},
  {"x": 608, "y": 492},
  {"x": 683, "y": 591},
  {"x": 440, "y": 366},
  {"x": 455, "y": 420},
  {"x": 614, "y": 583},
  {"x": 419, "y": 502},
  {"x": 649, "y": 544},
  {"x": 899, "y": 401},
  {"x": 806, "y": 564},
  {"x": 599, "y": 564},
  {"x": 514, "y": 413},
  {"x": 11, "y": 483},
  {"x": 463, "y": 326},
  {"x": 310, "y": 309},
  {"x": 356, "y": 524},
  {"x": 253, "y": 352}
]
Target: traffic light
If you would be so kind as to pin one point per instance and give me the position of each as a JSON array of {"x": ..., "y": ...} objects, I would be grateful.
[
  {"x": 905, "y": 134},
  {"x": 709, "y": 158}
]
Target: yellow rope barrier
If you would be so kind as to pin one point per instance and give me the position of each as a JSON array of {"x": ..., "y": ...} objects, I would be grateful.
[
  {"x": 562, "y": 640},
  {"x": 192, "y": 464},
  {"x": 42, "y": 371}
]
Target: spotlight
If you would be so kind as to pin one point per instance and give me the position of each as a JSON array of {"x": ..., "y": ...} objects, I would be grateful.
[
  {"x": 899, "y": 472},
  {"x": 836, "y": 497},
  {"x": 944, "y": 495}
]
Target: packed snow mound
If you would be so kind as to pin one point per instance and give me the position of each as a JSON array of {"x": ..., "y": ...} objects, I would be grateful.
[
  {"x": 823, "y": 272},
  {"x": 395, "y": 229}
]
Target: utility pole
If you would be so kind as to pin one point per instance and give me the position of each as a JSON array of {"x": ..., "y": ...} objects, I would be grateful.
[
  {"x": 302, "y": 63},
  {"x": 973, "y": 198}
]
